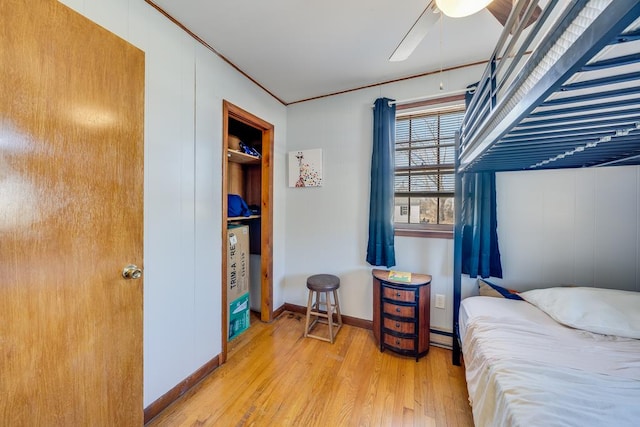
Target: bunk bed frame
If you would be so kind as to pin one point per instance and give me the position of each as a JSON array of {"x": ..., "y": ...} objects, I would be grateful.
[{"x": 562, "y": 93}]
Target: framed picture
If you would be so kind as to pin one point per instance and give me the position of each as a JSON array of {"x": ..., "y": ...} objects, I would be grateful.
[{"x": 305, "y": 168}]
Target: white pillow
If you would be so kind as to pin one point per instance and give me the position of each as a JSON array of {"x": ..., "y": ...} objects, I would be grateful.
[{"x": 603, "y": 311}]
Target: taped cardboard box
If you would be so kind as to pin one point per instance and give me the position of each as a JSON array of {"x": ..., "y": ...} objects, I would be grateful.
[
  {"x": 237, "y": 261},
  {"x": 237, "y": 278}
]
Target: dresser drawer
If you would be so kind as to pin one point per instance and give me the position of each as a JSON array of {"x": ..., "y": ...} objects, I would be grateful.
[
  {"x": 406, "y": 344},
  {"x": 398, "y": 294},
  {"x": 400, "y": 327},
  {"x": 399, "y": 310}
]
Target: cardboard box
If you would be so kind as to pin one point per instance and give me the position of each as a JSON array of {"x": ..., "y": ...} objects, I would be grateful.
[
  {"x": 237, "y": 279},
  {"x": 237, "y": 262}
]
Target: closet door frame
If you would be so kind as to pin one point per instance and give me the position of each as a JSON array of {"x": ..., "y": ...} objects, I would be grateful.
[{"x": 266, "y": 219}]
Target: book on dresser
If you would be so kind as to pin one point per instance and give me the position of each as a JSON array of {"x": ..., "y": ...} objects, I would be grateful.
[{"x": 400, "y": 276}]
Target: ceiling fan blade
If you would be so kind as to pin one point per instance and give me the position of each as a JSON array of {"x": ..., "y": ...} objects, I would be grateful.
[
  {"x": 418, "y": 31},
  {"x": 502, "y": 8}
]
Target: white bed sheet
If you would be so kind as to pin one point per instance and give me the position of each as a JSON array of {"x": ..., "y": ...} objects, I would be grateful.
[{"x": 525, "y": 369}]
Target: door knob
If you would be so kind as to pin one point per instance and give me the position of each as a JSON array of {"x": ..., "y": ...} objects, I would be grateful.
[{"x": 131, "y": 272}]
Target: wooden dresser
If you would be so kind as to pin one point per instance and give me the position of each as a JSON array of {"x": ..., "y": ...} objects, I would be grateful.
[{"x": 401, "y": 313}]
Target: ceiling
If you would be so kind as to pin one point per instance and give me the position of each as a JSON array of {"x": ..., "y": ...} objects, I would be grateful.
[{"x": 299, "y": 49}]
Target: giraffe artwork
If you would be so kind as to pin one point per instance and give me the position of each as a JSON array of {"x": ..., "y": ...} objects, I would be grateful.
[
  {"x": 305, "y": 168},
  {"x": 302, "y": 169}
]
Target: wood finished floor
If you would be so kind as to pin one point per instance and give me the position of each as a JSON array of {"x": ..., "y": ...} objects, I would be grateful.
[{"x": 276, "y": 377}]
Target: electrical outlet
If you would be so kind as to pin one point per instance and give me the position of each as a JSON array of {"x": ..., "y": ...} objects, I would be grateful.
[{"x": 439, "y": 301}]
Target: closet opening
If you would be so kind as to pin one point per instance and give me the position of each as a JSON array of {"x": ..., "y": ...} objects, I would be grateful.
[{"x": 247, "y": 209}]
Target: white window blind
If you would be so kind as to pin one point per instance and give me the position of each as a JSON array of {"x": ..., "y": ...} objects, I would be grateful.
[{"x": 424, "y": 166}]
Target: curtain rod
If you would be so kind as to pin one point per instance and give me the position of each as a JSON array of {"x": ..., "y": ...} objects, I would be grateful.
[{"x": 429, "y": 97}]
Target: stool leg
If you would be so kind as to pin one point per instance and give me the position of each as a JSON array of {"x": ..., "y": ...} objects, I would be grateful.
[
  {"x": 337, "y": 306},
  {"x": 329, "y": 316},
  {"x": 306, "y": 326}
]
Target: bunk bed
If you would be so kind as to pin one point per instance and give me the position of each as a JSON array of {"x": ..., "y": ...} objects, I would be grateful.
[{"x": 561, "y": 92}]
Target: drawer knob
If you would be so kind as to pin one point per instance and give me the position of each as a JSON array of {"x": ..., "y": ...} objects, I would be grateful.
[
  {"x": 397, "y": 325},
  {"x": 398, "y": 294},
  {"x": 397, "y": 310},
  {"x": 397, "y": 342}
]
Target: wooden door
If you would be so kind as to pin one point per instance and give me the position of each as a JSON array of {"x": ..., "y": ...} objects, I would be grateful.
[{"x": 71, "y": 187}]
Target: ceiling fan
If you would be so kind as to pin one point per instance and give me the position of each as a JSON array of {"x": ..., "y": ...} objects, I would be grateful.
[{"x": 500, "y": 9}]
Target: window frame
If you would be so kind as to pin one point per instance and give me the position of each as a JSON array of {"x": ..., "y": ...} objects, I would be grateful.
[{"x": 444, "y": 231}]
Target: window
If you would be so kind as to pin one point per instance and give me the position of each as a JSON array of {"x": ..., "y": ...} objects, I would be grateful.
[{"x": 424, "y": 170}]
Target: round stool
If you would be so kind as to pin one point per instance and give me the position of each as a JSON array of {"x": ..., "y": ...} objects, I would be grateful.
[{"x": 326, "y": 284}]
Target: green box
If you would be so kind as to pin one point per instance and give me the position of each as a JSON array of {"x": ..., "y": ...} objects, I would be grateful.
[{"x": 238, "y": 316}]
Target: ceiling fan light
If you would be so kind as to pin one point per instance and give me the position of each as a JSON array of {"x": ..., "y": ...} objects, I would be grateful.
[{"x": 461, "y": 8}]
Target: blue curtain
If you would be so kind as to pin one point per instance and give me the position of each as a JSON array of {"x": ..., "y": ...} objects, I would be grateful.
[
  {"x": 380, "y": 250},
  {"x": 480, "y": 251}
]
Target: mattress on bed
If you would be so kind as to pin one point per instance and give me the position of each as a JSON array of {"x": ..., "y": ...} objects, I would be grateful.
[{"x": 525, "y": 369}]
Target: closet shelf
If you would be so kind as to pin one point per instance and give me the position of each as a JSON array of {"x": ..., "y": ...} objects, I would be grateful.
[
  {"x": 238, "y": 157},
  {"x": 242, "y": 218}
]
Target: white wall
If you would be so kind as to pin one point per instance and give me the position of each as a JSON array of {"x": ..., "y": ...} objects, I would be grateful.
[
  {"x": 570, "y": 227},
  {"x": 185, "y": 86},
  {"x": 327, "y": 227}
]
